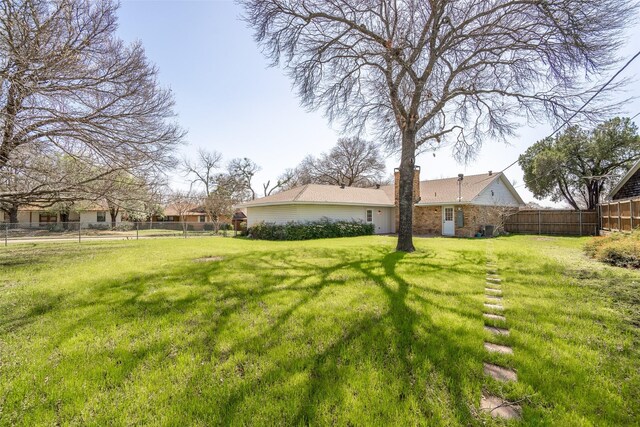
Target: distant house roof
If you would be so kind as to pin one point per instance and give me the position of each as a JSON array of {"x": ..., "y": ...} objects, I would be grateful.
[
  {"x": 172, "y": 210},
  {"x": 436, "y": 191},
  {"x": 90, "y": 207},
  {"x": 325, "y": 194},
  {"x": 634, "y": 169}
]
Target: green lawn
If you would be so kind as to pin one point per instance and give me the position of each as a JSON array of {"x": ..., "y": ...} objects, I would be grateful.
[{"x": 341, "y": 331}]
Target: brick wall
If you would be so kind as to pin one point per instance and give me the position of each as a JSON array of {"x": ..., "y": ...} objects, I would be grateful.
[
  {"x": 427, "y": 220},
  {"x": 630, "y": 189}
]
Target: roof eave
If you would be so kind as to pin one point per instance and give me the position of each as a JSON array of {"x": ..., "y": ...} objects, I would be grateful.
[{"x": 624, "y": 180}]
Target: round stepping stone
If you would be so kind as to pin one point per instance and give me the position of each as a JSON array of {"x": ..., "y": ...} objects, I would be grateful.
[
  {"x": 497, "y": 331},
  {"x": 496, "y": 348},
  {"x": 494, "y": 316},
  {"x": 499, "y": 373},
  {"x": 494, "y": 306},
  {"x": 500, "y": 408}
]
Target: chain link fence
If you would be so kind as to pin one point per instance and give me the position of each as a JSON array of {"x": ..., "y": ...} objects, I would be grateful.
[{"x": 83, "y": 231}]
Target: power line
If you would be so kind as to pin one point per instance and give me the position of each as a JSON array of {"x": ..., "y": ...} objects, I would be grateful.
[
  {"x": 565, "y": 122},
  {"x": 596, "y": 94}
]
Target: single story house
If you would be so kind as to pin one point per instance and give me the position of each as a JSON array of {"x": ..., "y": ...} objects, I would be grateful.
[
  {"x": 629, "y": 185},
  {"x": 313, "y": 202},
  {"x": 35, "y": 216},
  {"x": 457, "y": 206}
]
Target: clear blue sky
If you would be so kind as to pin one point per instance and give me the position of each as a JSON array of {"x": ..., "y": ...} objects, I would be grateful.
[{"x": 229, "y": 100}]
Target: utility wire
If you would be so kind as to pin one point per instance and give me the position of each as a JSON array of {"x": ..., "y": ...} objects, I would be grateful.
[{"x": 566, "y": 122}]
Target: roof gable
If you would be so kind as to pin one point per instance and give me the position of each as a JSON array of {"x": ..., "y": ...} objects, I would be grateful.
[
  {"x": 447, "y": 190},
  {"x": 614, "y": 191}
]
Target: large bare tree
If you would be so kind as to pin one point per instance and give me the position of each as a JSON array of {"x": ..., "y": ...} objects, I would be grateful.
[
  {"x": 202, "y": 170},
  {"x": 353, "y": 162},
  {"x": 69, "y": 87},
  {"x": 423, "y": 73}
]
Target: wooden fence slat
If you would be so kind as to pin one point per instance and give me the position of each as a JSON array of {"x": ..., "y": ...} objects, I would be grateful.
[
  {"x": 557, "y": 222},
  {"x": 623, "y": 218}
]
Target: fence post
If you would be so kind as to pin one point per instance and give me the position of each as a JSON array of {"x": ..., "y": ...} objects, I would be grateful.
[
  {"x": 6, "y": 234},
  {"x": 631, "y": 213},
  {"x": 580, "y": 213},
  {"x": 79, "y": 232},
  {"x": 137, "y": 227},
  {"x": 619, "y": 218},
  {"x": 539, "y": 222}
]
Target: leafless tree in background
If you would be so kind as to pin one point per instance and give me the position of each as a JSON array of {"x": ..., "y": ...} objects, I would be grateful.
[
  {"x": 242, "y": 171},
  {"x": 183, "y": 201},
  {"x": 70, "y": 88},
  {"x": 282, "y": 183},
  {"x": 202, "y": 170},
  {"x": 424, "y": 73},
  {"x": 353, "y": 162}
]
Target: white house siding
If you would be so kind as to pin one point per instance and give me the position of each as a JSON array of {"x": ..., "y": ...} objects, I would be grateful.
[
  {"x": 92, "y": 217},
  {"x": 281, "y": 214},
  {"x": 24, "y": 217},
  {"x": 501, "y": 195}
]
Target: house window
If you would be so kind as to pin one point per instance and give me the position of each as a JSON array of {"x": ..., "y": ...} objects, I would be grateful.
[
  {"x": 448, "y": 214},
  {"x": 201, "y": 218},
  {"x": 48, "y": 217},
  {"x": 171, "y": 218},
  {"x": 369, "y": 215},
  {"x": 101, "y": 216}
]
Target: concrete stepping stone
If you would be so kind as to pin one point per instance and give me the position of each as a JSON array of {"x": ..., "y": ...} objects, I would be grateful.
[
  {"x": 493, "y": 279},
  {"x": 497, "y": 348},
  {"x": 493, "y": 290},
  {"x": 497, "y": 331},
  {"x": 494, "y": 298},
  {"x": 494, "y": 316},
  {"x": 499, "y": 373},
  {"x": 493, "y": 306},
  {"x": 500, "y": 408}
]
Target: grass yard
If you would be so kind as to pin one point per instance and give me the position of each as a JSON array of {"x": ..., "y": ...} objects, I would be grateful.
[{"x": 341, "y": 331}]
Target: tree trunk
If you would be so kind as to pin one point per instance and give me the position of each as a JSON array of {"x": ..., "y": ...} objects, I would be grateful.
[
  {"x": 405, "y": 196},
  {"x": 64, "y": 219},
  {"x": 113, "y": 212},
  {"x": 13, "y": 213}
]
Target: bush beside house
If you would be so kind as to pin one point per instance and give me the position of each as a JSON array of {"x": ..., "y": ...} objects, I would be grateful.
[{"x": 310, "y": 230}]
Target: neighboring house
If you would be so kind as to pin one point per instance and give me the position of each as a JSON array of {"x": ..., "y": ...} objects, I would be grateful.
[
  {"x": 629, "y": 186},
  {"x": 444, "y": 206},
  {"x": 195, "y": 213},
  {"x": 36, "y": 216}
]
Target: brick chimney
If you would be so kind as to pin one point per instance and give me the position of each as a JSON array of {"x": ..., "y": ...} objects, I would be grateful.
[{"x": 416, "y": 184}]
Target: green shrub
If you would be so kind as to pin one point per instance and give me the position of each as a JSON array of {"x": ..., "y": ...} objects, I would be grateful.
[
  {"x": 619, "y": 249},
  {"x": 309, "y": 230}
]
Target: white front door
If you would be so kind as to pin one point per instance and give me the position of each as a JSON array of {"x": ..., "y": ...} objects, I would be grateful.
[{"x": 448, "y": 225}]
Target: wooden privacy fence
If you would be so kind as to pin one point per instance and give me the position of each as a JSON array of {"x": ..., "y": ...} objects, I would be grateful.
[
  {"x": 565, "y": 222},
  {"x": 623, "y": 215}
]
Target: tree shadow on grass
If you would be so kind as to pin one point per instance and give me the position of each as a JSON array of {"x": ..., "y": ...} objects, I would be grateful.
[{"x": 395, "y": 345}]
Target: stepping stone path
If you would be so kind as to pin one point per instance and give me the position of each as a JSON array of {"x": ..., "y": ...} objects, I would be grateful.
[
  {"x": 500, "y": 408},
  {"x": 497, "y": 331},
  {"x": 497, "y": 348},
  {"x": 494, "y": 405},
  {"x": 500, "y": 373},
  {"x": 494, "y": 316}
]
